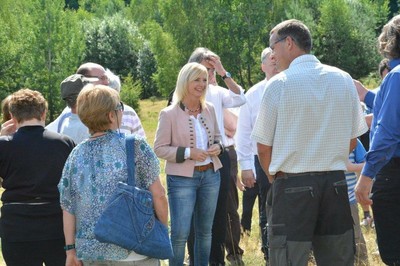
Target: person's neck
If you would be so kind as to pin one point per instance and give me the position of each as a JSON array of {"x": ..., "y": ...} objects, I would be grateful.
[
  {"x": 31, "y": 122},
  {"x": 73, "y": 109},
  {"x": 99, "y": 133},
  {"x": 191, "y": 103}
]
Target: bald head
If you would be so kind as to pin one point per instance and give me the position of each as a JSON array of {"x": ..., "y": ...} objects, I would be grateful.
[{"x": 94, "y": 70}]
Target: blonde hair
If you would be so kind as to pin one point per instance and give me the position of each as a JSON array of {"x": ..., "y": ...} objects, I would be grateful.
[
  {"x": 27, "y": 104},
  {"x": 189, "y": 73},
  {"x": 94, "y": 104}
]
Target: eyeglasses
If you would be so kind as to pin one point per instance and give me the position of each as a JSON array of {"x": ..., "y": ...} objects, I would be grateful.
[
  {"x": 119, "y": 107},
  {"x": 275, "y": 42},
  {"x": 101, "y": 78}
]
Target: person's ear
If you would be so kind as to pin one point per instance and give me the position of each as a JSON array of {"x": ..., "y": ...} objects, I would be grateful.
[
  {"x": 111, "y": 117},
  {"x": 43, "y": 116}
]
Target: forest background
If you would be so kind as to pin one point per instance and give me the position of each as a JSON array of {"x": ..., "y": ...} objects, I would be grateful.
[{"x": 146, "y": 42}]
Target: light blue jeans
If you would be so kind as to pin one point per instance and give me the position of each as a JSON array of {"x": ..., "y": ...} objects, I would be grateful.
[{"x": 195, "y": 197}]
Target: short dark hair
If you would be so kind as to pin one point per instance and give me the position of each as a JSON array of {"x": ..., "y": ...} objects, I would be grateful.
[
  {"x": 297, "y": 30},
  {"x": 389, "y": 39}
]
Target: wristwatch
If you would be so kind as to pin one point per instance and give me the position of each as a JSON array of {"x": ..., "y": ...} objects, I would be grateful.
[{"x": 227, "y": 75}]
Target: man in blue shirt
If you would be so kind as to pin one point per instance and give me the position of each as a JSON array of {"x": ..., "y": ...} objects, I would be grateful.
[{"x": 383, "y": 157}]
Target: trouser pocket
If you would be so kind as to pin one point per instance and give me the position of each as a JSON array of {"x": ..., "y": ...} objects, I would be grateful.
[
  {"x": 278, "y": 254},
  {"x": 340, "y": 188}
]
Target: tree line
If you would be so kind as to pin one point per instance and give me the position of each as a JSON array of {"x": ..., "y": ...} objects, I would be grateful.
[{"x": 146, "y": 42}]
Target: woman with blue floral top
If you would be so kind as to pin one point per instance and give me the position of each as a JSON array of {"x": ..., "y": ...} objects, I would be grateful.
[{"x": 90, "y": 177}]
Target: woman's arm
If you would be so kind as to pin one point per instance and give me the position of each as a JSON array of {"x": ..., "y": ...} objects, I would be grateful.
[
  {"x": 160, "y": 201},
  {"x": 69, "y": 234}
]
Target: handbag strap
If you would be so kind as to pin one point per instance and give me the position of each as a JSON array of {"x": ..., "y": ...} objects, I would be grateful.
[{"x": 130, "y": 162}]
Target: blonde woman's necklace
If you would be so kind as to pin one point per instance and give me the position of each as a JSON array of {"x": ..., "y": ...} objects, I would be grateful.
[{"x": 192, "y": 111}]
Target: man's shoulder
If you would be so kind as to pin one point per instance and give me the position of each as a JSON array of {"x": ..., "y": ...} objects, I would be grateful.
[
  {"x": 256, "y": 87},
  {"x": 129, "y": 111},
  {"x": 62, "y": 138},
  {"x": 128, "y": 108}
]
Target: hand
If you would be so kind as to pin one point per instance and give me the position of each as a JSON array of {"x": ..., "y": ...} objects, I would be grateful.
[
  {"x": 361, "y": 90},
  {"x": 363, "y": 189},
  {"x": 240, "y": 185},
  {"x": 214, "y": 150},
  {"x": 8, "y": 128},
  {"x": 248, "y": 178},
  {"x": 72, "y": 259},
  {"x": 198, "y": 154},
  {"x": 216, "y": 63}
]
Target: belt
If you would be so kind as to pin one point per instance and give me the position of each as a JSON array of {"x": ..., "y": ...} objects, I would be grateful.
[
  {"x": 26, "y": 203},
  {"x": 232, "y": 147},
  {"x": 202, "y": 168},
  {"x": 285, "y": 175}
]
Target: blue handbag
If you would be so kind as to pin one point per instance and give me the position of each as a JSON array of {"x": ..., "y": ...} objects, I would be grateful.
[{"x": 128, "y": 220}]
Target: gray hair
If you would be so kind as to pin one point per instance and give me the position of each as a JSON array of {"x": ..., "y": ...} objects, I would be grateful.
[
  {"x": 265, "y": 53},
  {"x": 200, "y": 54},
  {"x": 114, "y": 81}
]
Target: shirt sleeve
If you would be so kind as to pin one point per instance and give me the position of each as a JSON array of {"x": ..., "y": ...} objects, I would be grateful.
[
  {"x": 231, "y": 99},
  {"x": 265, "y": 125},
  {"x": 385, "y": 140},
  {"x": 244, "y": 144},
  {"x": 147, "y": 168},
  {"x": 369, "y": 99},
  {"x": 359, "y": 152},
  {"x": 66, "y": 188}
]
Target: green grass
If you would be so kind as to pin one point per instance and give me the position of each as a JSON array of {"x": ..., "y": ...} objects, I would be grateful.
[{"x": 251, "y": 244}]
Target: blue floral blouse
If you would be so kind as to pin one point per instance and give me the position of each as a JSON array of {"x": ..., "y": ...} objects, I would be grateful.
[{"x": 90, "y": 177}]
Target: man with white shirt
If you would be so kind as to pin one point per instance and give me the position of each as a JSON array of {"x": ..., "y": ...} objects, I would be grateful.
[
  {"x": 309, "y": 121},
  {"x": 253, "y": 177},
  {"x": 221, "y": 98}
]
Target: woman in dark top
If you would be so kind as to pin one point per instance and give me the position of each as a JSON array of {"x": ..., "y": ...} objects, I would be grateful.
[{"x": 31, "y": 163}]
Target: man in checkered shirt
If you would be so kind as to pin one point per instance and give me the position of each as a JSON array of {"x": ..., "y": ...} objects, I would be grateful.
[{"x": 309, "y": 121}]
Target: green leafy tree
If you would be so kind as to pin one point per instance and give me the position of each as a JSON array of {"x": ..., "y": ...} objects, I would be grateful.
[
  {"x": 130, "y": 92},
  {"x": 345, "y": 40},
  {"x": 166, "y": 54},
  {"x": 117, "y": 44},
  {"x": 46, "y": 47},
  {"x": 12, "y": 45}
]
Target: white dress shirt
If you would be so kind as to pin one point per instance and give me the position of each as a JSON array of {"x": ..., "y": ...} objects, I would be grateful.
[
  {"x": 223, "y": 98},
  {"x": 246, "y": 148}
]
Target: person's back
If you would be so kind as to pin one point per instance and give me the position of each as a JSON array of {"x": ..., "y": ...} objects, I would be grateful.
[
  {"x": 74, "y": 128},
  {"x": 311, "y": 96},
  {"x": 31, "y": 163},
  {"x": 35, "y": 157}
]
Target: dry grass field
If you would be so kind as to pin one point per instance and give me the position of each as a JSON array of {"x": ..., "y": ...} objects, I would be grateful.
[{"x": 251, "y": 244}]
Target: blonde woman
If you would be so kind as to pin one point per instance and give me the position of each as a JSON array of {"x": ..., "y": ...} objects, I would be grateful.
[{"x": 189, "y": 140}]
